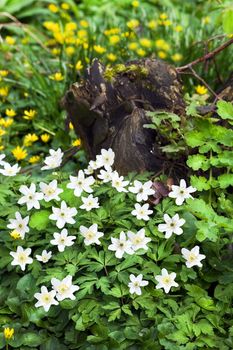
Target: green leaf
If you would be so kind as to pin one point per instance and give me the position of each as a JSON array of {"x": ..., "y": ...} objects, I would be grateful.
[
  {"x": 224, "y": 108},
  {"x": 32, "y": 339},
  {"x": 40, "y": 219},
  {"x": 227, "y": 21},
  {"x": 114, "y": 315},
  {"x": 198, "y": 161},
  {"x": 200, "y": 183},
  {"x": 225, "y": 180},
  {"x": 207, "y": 230}
]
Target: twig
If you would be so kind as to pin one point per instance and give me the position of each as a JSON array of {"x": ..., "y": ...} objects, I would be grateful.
[
  {"x": 205, "y": 57},
  {"x": 204, "y": 83}
]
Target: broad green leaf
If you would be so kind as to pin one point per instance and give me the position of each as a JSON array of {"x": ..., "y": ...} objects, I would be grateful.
[
  {"x": 224, "y": 108},
  {"x": 227, "y": 21},
  {"x": 198, "y": 161},
  {"x": 40, "y": 220}
]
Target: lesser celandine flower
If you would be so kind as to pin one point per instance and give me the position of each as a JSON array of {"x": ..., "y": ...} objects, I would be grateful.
[
  {"x": 10, "y": 40},
  {"x": 15, "y": 234},
  {"x": 45, "y": 138},
  {"x": 19, "y": 153},
  {"x": 99, "y": 49},
  {"x": 53, "y": 8},
  {"x": 10, "y": 113},
  {"x": 201, "y": 90},
  {"x": 4, "y": 91},
  {"x": 29, "y": 114},
  {"x": 76, "y": 143},
  {"x": 78, "y": 65},
  {"x": 57, "y": 76},
  {"x": 132, "y": 24},
  {"x": 34, "y": 159},
  {"x": 8, "y": 333},
  {"x": 4, "y": 72},
  {"x": 29, "y": 139}
]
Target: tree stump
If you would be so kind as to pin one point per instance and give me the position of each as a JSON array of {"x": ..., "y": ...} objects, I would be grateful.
[{"x": 108, "y": 109}]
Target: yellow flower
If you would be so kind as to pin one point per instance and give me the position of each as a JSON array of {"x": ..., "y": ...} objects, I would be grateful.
[
  {"x": 111, "y": 57},
  {"x": 76, "y": 143},
  {"x": 133, "y": 46},
  {"x": 84, "y": 24},
  {"x": 141, "y": 52},
  {"x": 162, "y": 54},
  {"x": 152, "y": 24},
  {"x": 8, "y": 333},
  {"x": 30, "y": 114},
  {"x": 59, "y": 37},
  {"x": 71, "y": 126},
  {"x": 99, "y": 49},
  {"x": 161, "y": 44},
  {"x": 163, "y": 16},
  {"x": 112, "y": 31},
  {"x": 34, "y": 159},
  {"x": 55, "y": 51},
  {"x": 133, "y": 23},
  {"x": 10, "y": 40},
  {"x": 2, "y": 132},
  {"x": 178, "y": 28},
  {"x": 29, "y": 139},
  {"x": 5, "y": 123},
  {"x": 206, "y": 20},
  {"x": 19, "y": 153},
  {"x": 135, "y": 3},
  {"x": 10, "y": 113},
  {"x": 177, "y": 57},
  {"x": 1, "y": 147},
  {"x": 4, "y": 73},
  {"x": 85, "y": 46},
  {"x": 65, "y": 6},
  {"x": 57, "y": 76},
  {"x": 52, "y": 26},
  {"x": 70, "y": 26},
  {"x": 15, "y": 234},
  {"x": 114, "y": 39},
  {"x": 201, "y": 90},
  {"x": 82, "y": 34},
  {"x": 4, "y": 91},
  {"x": 53, "y": 8},
  {"x": 79, "y": 65},
  {"x": 70, "y": 50},
  {"x": 145, "y": 42},
  {"x": 45, "y": 138}
]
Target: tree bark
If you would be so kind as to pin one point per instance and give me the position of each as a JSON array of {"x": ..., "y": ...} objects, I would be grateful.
[{"x": 108, "y": 109}]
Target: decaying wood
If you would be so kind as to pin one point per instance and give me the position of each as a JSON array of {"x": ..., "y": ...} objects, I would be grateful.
[{"x": 108, "y": 109}]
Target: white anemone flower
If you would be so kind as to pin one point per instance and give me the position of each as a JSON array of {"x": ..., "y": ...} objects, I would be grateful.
[
  {"x": 138, "y": 240},
  {"x": 80, "y": 183},
  {"x": 9, "y": 170},
  {"x": 44, "y": 257},
  {"x": 135, "y": 284},
  {"x": 172, "y": 225},
  {"x": 143, "y": 191},
  {"x": 105, "y": 159},
  {"x": 45, "y": 298},
  {"x": 166, "y": 280},
  {"x": 118, "y": 182},
  {"x": 142, "y": 212},
  {"x": 193, "y": 256},
  {"x": 89, "y": 203},
  {"x": 19, "y": 224},
  {"x": 54, "y": 160},
  {"x": 21, "y": 257},
  {"x": 64, "y": 289},
  {"x": 121, "y": 245},
  {"x": 50, "y": 191},
  {"x": 30, "y": 197},
  {"x": 91, "y": 234},
  {"x": 62, "y": 240},
  {"x": 63, "y": 215},
  {"x": 181, "y": 192}
]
